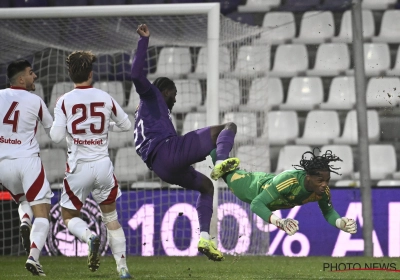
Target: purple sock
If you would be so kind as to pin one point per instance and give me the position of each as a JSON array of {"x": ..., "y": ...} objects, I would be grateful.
[
  {"x": 204, "y": 208},
  {"x": 225, "y": 143}
]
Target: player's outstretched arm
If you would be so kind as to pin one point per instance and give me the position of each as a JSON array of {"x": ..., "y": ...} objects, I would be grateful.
[
  {"x": 347, "y": 225},
  {"x": 138, "y": 76}
]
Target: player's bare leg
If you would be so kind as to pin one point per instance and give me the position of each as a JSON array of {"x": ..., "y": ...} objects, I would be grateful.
[
  {"x": 80, "y": 229},
  {"x": 38, "y": 235},
  {"x": 116, "y": 237},
  {"x": 223, "y": 136}
]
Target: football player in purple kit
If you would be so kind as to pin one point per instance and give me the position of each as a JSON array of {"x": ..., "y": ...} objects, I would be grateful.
[{"x": 170, "y": 156}]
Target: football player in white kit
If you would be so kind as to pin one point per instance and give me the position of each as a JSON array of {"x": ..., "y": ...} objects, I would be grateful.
[
  {"x": 84, "y": 116},
  {"x": 21, "y": 169}
]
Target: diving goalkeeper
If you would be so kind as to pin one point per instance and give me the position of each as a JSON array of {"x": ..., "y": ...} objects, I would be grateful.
[{"x": 267, "y": 192}]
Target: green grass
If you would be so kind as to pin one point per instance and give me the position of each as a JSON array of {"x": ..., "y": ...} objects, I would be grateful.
[{"x": 241, "y": 267}]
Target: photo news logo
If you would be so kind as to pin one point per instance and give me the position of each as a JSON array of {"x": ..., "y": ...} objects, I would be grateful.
[{"x": 355, "y": 266}]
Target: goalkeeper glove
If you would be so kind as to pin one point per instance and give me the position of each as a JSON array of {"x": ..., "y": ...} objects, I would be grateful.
[
  {"x": 347, "y": 225},
  {"x": 288, "y": 225}
]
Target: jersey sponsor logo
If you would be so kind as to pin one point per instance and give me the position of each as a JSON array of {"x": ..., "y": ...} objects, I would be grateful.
[
  {"x": 88, "y": 142},
  {"x": 10, "y": 141},
  {"x": 61, "y": 242}
]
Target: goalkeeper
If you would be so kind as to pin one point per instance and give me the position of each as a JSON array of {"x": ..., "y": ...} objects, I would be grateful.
[{"x": 267, "y": 192}]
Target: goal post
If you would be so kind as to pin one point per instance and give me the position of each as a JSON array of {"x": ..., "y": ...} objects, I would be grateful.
[{"x": 48, "y": 34}]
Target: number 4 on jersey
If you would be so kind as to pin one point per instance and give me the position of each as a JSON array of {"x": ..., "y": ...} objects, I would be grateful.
[{"x": 12, "y": 120}]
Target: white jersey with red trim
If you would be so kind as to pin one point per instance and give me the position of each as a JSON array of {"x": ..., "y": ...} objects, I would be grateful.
[
  {"x": 20, "y": 113},
  {"x": 86, "y": 113}
]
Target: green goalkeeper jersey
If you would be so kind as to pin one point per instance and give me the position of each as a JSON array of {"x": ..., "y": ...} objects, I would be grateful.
[{"x": 269, "y": 192}]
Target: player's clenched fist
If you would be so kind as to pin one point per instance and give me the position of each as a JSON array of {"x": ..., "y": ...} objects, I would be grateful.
[
  {"x": 347, "y": 225},
  {"x": 290, "y": 226},
  {"x": 143, "y": 30}
]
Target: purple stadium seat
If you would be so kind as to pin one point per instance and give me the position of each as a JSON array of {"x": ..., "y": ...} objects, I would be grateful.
[
  {"x": 227, "y": 6},
  {"x": 186, "y": 1},
  {"x": 122, "y": 66},
  {"x": 148, "y": 2},
  {"x": 299, "y": 6},
  {"x": 247, "y": 18},
  {"x": 103, "y": 68},
  {"x": 30, "y": 3},
  {"x": 109, "y": 2},
  {"x": 5, "y": 3},
  {"x": 71, "y": 2},
  {"x": 335, "y": 5}
]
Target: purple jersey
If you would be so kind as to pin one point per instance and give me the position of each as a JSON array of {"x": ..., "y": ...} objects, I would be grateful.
[{"x": 153, "y": 122}]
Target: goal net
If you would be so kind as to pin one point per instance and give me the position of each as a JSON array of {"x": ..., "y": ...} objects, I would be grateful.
[{"x": 158, "y": 219}]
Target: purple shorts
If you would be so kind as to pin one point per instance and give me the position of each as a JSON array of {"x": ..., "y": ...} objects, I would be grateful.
[{"x": 173, "y": 159}]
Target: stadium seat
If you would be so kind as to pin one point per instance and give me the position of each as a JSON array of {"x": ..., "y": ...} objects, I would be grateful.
[
  {"x": 320, "y": 128},
  {"x": 39, "y": 90},
  {"x": 124, "y": 160},
  {"x": 54, "y": 163},
  {"x": 254, "y": 158},
  {"x": 305, "y": 93},
  {"x": 133, "y": 101},
  {"x": 299, "y": 6},
  {"x": 123, "y": 66},
  {"x": 113, "y": 88},
  {"x": 376, "y": 59},
  {"x": 30, "y": 3},
  {"x": 382, "y": 162},
  {"x": 280, "y": 128},
  {"x": 290, "y": 60},
  {"x": 71, "y": 2},
  {"x": 388, "y": 183},
  {"x": 194, "y": 121},
  {"x": 346, "y": 32},
  {"x": 109, "y": 2},
  {"x": 227, "y": 7},
  {"x": 188, "y": 96},
  {"x": 246, "y": 125},
  {"x": 316, "y": 27},
  {"x": 350, "y": 130},
  {"x": 252, "y": 61},
  {"x": 342, "y": 95},
  {"x": 335, "y": 6},
  {"x": 377, "y": 4},
  {"x": 281, "y": 27},
  {"x": 264, "y": 94},
  {"x": 121, "y": 139},
  {"x": 331, "y": 60},
  {"x": 137, "y": 2},
  {"x": 396, "y": 69},
  {"x": 149, "y": 185},
  {"x": 228, "y": 95},
  {"x": 103, "y": 68},
  {"x": 346, "y": 166},
  {"x": 201, "y": 65},
  {"x": 42, "y": 138},
  {"x": 244, "y": 18},
  {"x": 290, "y": 155},
  {"x": 389, "y": 33},
  {"x": 257, "y": 6},
  {"x": 58, "y": 90},
  {"x": 350, "y": 183},
  {"x": 173, "y": 62},
  {"x": 382, "y": 92}
]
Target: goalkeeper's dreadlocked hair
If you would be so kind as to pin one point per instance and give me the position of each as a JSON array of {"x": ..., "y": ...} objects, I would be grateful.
[{"x": 317, "y": 163}]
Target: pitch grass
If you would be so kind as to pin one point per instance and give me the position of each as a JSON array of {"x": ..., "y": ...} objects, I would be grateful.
[{"x": 240, "y": 267}]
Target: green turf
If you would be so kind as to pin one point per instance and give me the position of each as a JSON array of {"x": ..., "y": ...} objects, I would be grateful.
[{"x": 242, "y": 267}]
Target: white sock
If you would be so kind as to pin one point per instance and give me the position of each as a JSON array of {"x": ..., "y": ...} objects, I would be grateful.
[
  {"x": 39, "y": 232},
  {"x": 118, "y": 246},
  {"x": 25, "y": 212},
  {"x": 80, "y": 229},
  {"x": 205, "y": 235},
  {"x": 218, "y": 162}
]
